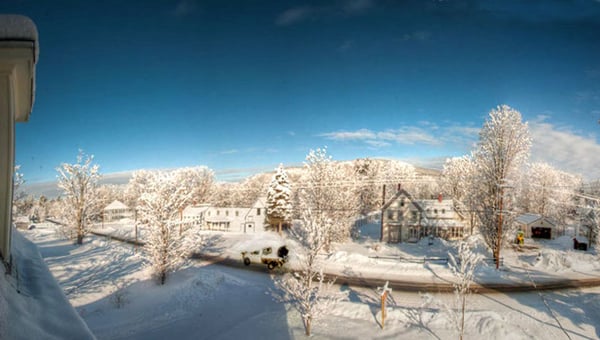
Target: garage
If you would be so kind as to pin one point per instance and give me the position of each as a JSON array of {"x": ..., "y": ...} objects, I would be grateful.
[{"x": 541, "y": 232}]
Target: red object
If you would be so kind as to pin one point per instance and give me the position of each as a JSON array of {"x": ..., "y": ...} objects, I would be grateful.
[{"x": 440, "y": 198}]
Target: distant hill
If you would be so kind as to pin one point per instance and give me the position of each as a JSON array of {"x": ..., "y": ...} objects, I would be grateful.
[{"x": 51, "y": 190}]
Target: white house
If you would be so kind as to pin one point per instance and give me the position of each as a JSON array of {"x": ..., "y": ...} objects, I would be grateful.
[
  {"x": 537, "y": 226},
  {"x": 18, "y": 56},
  {"x": 194, "y": 214},
  {"x": 116, "y": 210},
  {"x": 405, "y": 219},
  {"x": 238, "y": 219}
]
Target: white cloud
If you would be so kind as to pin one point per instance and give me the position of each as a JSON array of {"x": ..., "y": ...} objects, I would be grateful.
[
  {"x": 295, "y": 15},
  {"x": 229, "y": 152},
  {"x": 565, "y": 149},
  {"x": 426, "y": 133},
  {"x": 362, "y": 134},
  {"x": 299, "y": 14}
]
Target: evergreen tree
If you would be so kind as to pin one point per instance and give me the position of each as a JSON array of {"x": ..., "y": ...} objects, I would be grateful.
[{"x": 279, "y": 195}]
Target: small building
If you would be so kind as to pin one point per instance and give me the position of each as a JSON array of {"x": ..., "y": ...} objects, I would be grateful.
[
  {"x": 537, "y": 226},
  {"x": 405, "y": 219},
  {"x": 116, "y": 210}
]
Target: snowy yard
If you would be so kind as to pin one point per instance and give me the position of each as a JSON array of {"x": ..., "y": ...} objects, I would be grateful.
[{"x": 110, "y": 288}]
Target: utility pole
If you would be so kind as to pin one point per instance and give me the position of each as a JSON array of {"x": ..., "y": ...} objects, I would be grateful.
[
  {"x": 381, "y": 219},
  {"x": 501, "y": 186},
  {"x": 499, "y": 237}
]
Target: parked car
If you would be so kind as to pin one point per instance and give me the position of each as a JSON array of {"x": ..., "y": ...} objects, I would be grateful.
[{"x": 266, "y": 255}]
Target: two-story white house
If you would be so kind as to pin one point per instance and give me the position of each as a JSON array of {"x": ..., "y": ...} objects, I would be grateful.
[
  {"x": 237, "y": 219},
  {"x": 406, "y": 219}
]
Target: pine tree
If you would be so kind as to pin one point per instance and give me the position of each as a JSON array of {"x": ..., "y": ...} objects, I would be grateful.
[{"x": 279, "y": 195}]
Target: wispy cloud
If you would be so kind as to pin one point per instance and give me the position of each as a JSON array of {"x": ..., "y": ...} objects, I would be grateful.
[
  {"x": 229, "y": 152},
  {"x": 346, "y": 45},
  {"x": 185, "y": 7},
  {"x": 357, "y": 6},
  {"x": 425, "y": 133},
  {"x": 416, "y": 36},
  {"x": 295, "y": 15},
  {"x": 565, "y": 149},
  {"x": 298, "y": 14}
]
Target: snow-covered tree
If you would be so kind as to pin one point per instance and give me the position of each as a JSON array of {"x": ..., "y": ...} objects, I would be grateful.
[
  {"x": 327, "y": 191},
  {"x": 307, "y": 289},
  {"x": 463, "y": 266},
  {"x": 459, "y": 182},
  {"x": 279, "y": 196},
  {"x": 79, "y": 182},
  {"x": 548, "y": 191},
  {"x": 503, "y": 147},
  {"x": 367, "y": 189},
  {"x": 198, "y": 180},
  {"x": 165, "y": 195},
  {"x": 136, "y": 187}
]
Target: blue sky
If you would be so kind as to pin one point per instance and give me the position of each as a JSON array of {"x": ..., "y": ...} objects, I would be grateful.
[{"x": 241, "y": 86}]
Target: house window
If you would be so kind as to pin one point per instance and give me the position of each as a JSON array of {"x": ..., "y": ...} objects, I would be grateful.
[
  {"x": 218, "y": 212},
  {"x": 237, "y": 213},
  {"x": 390, "y": 214},
  {"x": 443, "y": 211},
  {"x": 226, "y": 212},
  {"x": 435, "y": 211},
  {"x": 258, "y": 211}
]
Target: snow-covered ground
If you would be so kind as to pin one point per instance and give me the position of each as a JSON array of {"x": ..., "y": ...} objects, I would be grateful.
[
  {"x": 32, "y": 305},
  {"x": 110, "y": 288}
]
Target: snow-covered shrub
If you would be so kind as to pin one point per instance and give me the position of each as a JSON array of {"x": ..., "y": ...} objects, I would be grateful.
[
  {"x": 463, "y": 266},
  {"x": 307, "y": 290},
  {"x": 119, "y": 297}
]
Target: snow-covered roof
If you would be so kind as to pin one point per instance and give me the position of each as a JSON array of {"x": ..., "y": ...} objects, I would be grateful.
[
  {"x": 19, "y": 46},
  {"x": 116, "y": 205},
  {"x": 437, "y": 209},
  {"x": 529, "y": 218},
  {"x": 260, "y": 202},
  {"x": 17, "y": 28},
  {"x": 14, "y": 27},
  {"x": 195, "y": 210}
]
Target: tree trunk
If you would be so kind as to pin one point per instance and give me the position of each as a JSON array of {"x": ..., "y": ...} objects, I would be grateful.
[
  {"x": 279, "y": 228},
  {"x": 307, "y": 321},
  {"x": 79, "y": 238}
]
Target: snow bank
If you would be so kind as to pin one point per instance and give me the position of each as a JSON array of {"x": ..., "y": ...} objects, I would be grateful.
[{"x": 40, "y": 310}]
